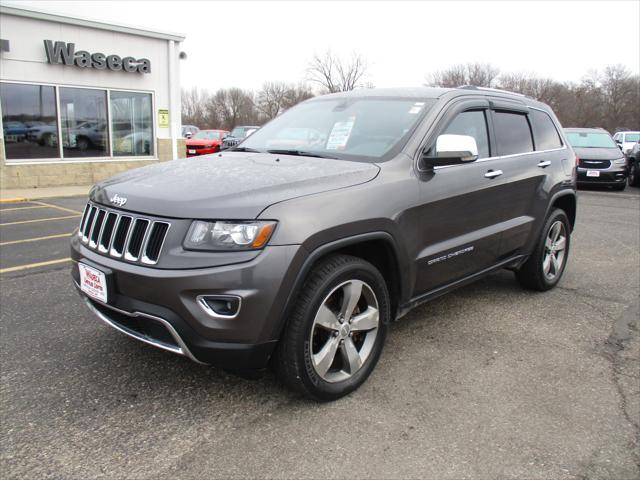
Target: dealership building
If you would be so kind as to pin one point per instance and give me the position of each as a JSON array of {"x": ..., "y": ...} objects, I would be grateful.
[{"x": 81, "y": 100}]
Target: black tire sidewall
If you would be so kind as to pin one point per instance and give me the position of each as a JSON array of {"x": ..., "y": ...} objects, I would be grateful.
[
  {"x": 357, "y": 270},
  {"x": 633, "y": 175}
]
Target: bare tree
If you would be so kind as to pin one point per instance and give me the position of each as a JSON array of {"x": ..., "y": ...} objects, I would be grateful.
[
  {"x": 271, "y": 99},
  {"x": 477, "y": 74},
  {"x": 333, "y": 74},
  {"x": 234, "y": 106},
  {"x": 194, "y": 108},
  {"x": 296, "y": 94},
  {"x": 620, "y": 89}
]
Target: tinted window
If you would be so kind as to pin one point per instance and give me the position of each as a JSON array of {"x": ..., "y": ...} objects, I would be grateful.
[
  {"x": 544, "y": 131},
  {"x": 474, "y": 124},
  {"x": 131, "y": 123},
  {"x": 512, "y": 133},
  {"x": 29, "y": 123},
  {"x": 83, "y": 114},
  {"x": 632, "y": 137}
]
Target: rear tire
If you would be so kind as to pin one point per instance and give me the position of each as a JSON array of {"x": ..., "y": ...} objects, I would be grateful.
[
  {"x": 544, "y": 268},
  {"x": 633, "y": 174},
  {"x": 336, "y": 331}
]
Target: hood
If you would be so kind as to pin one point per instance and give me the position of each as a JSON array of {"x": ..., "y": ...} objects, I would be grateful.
[
  {"x": 598, "y": 153},
  {"x": 233, "y": 185},
  {"x": 203, "y": 141}
]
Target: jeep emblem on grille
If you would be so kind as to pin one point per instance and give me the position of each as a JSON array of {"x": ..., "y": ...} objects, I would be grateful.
[{"x": 118, "y": 200}]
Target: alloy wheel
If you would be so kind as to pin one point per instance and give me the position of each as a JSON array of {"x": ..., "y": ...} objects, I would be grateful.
[
  {"x": 554, "y": 250},
  {"x": 344, "y": 331}
]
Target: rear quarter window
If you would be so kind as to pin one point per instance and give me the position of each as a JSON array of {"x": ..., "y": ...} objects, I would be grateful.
[
  {"x": 513, "y": 134},
  {"x": 545, "y": 133}
]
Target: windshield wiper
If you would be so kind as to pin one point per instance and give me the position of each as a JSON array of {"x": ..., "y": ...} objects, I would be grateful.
[
  {"x": 300, "y": 153},
  {"x": 244, "y": 149}
]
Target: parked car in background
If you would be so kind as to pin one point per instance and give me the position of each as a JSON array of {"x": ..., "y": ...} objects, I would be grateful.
[
  {"x": 237, "y": 135},
  {"x": 600, "y": 160},
  {"x": 14, "y": 131},
  {"x": 205, "y": 142},
  {"x": 633, "y": 161},
  {"x": 42, "y": 133},
  {"x": 626, "y": 140},
  {"x": 189, "y": 131}
]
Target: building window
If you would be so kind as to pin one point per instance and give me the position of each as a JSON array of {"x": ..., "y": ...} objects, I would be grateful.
[
  {"x": 83, "y": 117},
  {"x": 131, "y": 124},
  {"x": 29, "y": 121}
]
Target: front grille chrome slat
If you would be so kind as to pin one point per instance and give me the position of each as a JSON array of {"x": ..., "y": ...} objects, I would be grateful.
[
  {"x": 154, "y": 242},
  {"x": 86, "y": 231},
  {"x": 136, "y": 239},
  {"x": 123, "y": 236},
  {"x": 96, "y": 230}
]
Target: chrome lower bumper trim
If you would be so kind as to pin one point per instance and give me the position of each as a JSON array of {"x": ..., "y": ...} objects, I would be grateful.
[{"x": 181, "y": 349}]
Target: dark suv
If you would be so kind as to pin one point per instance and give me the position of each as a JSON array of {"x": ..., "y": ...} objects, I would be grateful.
[
  {"x": 298, "y": 250},
  {"x": 236, "y": 136}
]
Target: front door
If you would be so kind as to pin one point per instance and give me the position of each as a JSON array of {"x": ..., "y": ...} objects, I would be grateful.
[{"x": 462, "y": 206}]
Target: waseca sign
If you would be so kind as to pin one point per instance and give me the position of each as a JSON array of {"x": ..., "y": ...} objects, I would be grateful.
[{"x": 62, "y": 53}]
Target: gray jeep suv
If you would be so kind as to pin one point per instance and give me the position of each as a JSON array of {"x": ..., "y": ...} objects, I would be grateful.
[{"x": 297, "y": 248}]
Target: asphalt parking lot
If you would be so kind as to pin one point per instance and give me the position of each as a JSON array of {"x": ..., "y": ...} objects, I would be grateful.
[{"x": 490, "y": 381}]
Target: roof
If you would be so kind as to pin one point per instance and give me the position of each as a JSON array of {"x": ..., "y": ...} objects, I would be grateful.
[
  {"x": 86, "y": 22},
  {"x": 408, "y": 92},
  {"x": 426, "y": 92}
]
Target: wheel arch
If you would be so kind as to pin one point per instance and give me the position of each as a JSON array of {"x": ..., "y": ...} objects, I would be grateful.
[
  {"x": 565, "y": 200},
  {"x": 378, "y": 248}
]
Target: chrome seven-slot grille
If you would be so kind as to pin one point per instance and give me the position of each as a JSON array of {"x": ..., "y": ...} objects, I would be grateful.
[
  {"x": 122, "y": 235},
  {"x": 596, "y": 164}
]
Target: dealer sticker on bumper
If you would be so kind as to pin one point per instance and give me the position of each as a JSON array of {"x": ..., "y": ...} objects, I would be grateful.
[
  {"x": 593, "y": 173},
  {"x": 93, "y": 282}
]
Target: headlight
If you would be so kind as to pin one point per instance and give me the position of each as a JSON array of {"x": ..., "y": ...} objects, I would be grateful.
[
  {"x": 223, "y": 235},
  {"x": 620, "y": 161}
]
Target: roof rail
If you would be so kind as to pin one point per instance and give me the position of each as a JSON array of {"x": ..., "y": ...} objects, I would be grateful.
[{"x": 487, "y": 89}]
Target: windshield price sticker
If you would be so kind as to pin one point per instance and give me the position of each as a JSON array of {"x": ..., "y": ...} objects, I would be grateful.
[
  {"x": 340, "y": 134},
  {"x": 416, "y": 108}
]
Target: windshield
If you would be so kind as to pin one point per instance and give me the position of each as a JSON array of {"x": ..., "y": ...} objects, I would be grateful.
[
  {"x": 351, "y": 128},
  {"x": 631, "y": 137},
  {"x": 239, "y": 132},
  {"x": 207, "y": 135},
  {"x": 590, "y": 140}
]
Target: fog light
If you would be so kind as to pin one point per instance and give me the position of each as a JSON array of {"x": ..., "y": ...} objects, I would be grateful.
[{"x": 220, "y": 306}]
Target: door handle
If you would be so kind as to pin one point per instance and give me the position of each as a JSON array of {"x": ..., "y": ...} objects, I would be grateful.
[
  {"x": 493, "y": 173},
  {"x": 544, "y": 164}
]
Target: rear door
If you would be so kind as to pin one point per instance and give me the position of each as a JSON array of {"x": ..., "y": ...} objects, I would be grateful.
[{"x": 527, "y": 163}]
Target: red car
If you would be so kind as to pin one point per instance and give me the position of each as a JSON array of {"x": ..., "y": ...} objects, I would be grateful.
[{"x": 205, "y": 142}]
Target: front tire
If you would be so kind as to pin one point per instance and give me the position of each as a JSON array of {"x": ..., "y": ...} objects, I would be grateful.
[
  {"x": 335, "y": 334},
  {"x": 544, "y": 268}
]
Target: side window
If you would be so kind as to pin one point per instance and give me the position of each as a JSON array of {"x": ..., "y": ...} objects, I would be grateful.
[
  {"x": 544, "y": 131},
  {"x": 513, "y": 134},
  {"x": 474, "y": 124}
]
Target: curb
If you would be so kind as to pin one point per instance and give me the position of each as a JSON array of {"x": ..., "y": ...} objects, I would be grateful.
[{"x": 13, "y": 200}]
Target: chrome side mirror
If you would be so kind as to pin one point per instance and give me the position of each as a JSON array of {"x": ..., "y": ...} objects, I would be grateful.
[{"x": 451, "y": 150}]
